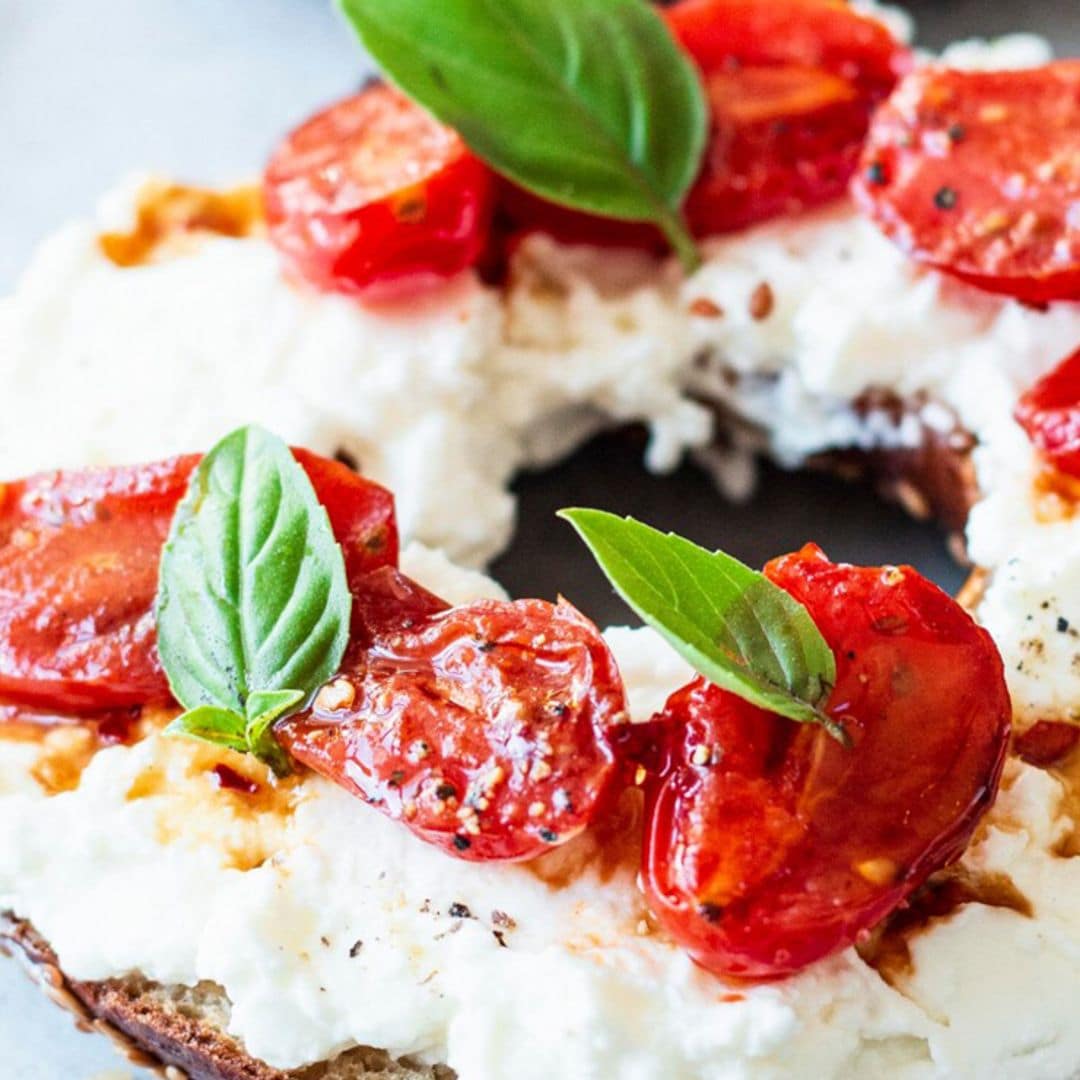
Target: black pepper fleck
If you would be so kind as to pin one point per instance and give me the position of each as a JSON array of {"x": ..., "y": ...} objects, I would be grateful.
[
  {"x": 1062, "y": 625},
  {"x": 549, "y": 836},
  {"x": 354, "y": 952},
  {"x": 460, "y": 911},
  {"x": 710, "y": 912},
  {"x": 945, "y": 198},
  {"x": 462, "y": 843},
  {"x": 957, "y": 132},
  {"x": 875, "y": 173},
  {"x": 446, "y": 791}
]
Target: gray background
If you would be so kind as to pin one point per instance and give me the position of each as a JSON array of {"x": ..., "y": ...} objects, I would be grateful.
[{"x": 201, "y": 89}]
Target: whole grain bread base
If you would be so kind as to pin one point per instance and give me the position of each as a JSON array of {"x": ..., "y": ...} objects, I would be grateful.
[{"x": 181, "y": 1032}]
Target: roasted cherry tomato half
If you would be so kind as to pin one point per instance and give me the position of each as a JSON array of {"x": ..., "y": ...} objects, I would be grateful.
[
  {"x": 978, "y": 173},
  {"x": 79, "y": 555},
  {"x": 485, "y": 728},
  {"x": 373, "y": 193},
  {"x": 791, "y": 86},
  {"x": 768, "y": 843},
  {"x": 1050, "y": 413}
]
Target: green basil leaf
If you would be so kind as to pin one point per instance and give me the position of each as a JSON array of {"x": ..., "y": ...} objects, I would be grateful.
[
  {"x": 263, "y": 708},
  {"x": 731, "y": 623},
  {"x": 589, "y": 103},
  {"x": 253, "y": 604},
  {"x": 212, "y": 724}
]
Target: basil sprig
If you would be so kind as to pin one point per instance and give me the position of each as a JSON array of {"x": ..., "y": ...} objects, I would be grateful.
[
  {"x": 588, "y": 103},
  {"x": 253, "y": 604},
  {"x": 732, "y": 624}
]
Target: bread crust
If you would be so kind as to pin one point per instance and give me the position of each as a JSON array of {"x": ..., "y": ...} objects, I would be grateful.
[{"x": 174, "y": 1042}]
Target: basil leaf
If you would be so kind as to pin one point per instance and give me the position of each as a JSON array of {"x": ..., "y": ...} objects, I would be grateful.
[
  {"x": 211, "y": 724},
  {"x": 253, "y": 604},
  {"x": 263, "y": 708},
  {"x": 589, "y": 103},
  {"x": 731, "y": 623}
]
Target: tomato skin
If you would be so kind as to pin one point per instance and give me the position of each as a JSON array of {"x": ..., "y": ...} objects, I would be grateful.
[
  {"x": 823, "y": 34},
  {"x": 483, "y": 728},
  {"x": 361, "y": 514},
  {"x": 791, "y": 85},
  {"x": 790, "y": 159},
  {"x": 1050, "y": 414},
  {"x": 977, "y": 173},
  {"x": 372, "y": 196},
  {"x": 79, "y": 555},
  {"x": 782, "y": 846}
]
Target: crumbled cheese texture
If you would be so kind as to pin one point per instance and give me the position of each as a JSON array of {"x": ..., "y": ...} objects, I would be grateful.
[{"x": 327, "y": 924}]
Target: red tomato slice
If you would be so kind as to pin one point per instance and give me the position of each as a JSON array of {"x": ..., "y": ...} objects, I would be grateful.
[
  {"x": 769, "y": 845},
  {"x": 791, "y": 85},
  {"x": 1050, "y": 413},
  {"x": 978, "y": 173},
  {"x": 79, "y": 554},
  {"x": 824, "y": 34},
  {"x": 374, "y": 193},
  {"x": 484, "y": 728},
  {"x": 784, "y": 139}
]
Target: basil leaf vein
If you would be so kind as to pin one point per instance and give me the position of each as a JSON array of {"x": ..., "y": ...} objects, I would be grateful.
[
  {"x": 588, "y": 103},
  {"x": 730, "y": 622},
  {"x": 253, "y": 603}
]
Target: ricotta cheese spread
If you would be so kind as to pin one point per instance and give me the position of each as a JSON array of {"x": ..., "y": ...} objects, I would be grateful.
[{"x": 329, "y": 926}]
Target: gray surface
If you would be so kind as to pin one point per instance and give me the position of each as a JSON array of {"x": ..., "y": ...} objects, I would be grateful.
[{"x": 201, "y": 89}]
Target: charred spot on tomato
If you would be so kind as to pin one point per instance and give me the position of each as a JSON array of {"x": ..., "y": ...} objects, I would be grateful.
[
  {"x": 561, "y": 800},
  {"x": 710, "y": 912},
  {"x": 876, "y": 173},
  {"x": 945, "y": 198},
  {"x": 411, "y": 209},
  {"x": 348, "y": 459}
]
